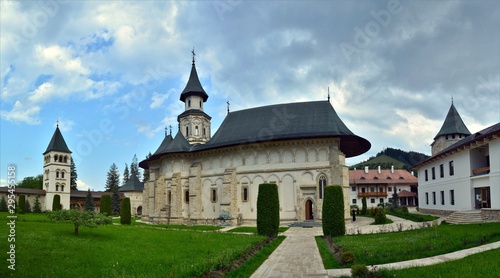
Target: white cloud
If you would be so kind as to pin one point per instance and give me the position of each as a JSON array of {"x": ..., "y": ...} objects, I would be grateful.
[
  {"x": 81, "y": 185},
  {"x": 157, "y": 100},
  {"x": 22, "y": 113}
]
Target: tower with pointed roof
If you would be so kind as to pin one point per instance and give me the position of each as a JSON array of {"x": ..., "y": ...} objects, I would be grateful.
[
  {"x": 57, "y": 171},
  {"x": 194, "y": 123},
  {"x": 452, "y": 131}
]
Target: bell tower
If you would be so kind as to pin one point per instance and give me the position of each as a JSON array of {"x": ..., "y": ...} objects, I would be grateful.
[
  {"x": 452, "y": 131},
  {"x": 194, "y": 123},
  {"x": 57, "y": 171}
]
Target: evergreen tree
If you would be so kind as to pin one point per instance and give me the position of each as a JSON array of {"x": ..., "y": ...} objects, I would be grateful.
[
  {"x": 268, "y": 210},
  {"x": 364, "y": 208},
  {"x": 74, "y": 175},
  {"x": 27, "y": 206},
  {"x": 37, "y": 207},
  {"x": 145, "y": 172},
  {"x": 89, "y": 202},
  {"x": 333, "y": 211},
  {"x": 3, "y": 204},
  {"x": 126, "y": 174},
  {"x": 395, "y": 199},
  {"x": 112, "y": 185},
  {"x": 106, "y": 205},
  {"x": 134, "y": 167}
]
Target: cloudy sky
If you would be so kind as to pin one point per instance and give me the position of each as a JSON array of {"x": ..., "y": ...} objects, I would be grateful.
[{"x": 111, "y": 72}]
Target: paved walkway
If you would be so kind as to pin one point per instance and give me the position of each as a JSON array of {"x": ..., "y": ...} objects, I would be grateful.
[{"x": 298, "y": 255}]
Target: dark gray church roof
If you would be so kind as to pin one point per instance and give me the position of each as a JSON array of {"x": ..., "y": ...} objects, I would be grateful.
[
  {"x": 57, "y": 143},
  {"x": 193, "y": 86},
  {"x": 133, "y": 184},
  {"x": 453, "y": 124},
  {"x": 163, "y": 146},
  {"x": 289, "y": 121}
]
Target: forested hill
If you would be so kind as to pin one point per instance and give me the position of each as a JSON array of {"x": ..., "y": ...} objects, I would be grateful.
[{"x": 392, "y": 157}]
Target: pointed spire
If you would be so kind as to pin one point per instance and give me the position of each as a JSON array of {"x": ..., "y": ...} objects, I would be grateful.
[
  {"x": 193, "y": 86},
  {"x": 453, "y": 124},
  {"x": 57, "y": 142}
]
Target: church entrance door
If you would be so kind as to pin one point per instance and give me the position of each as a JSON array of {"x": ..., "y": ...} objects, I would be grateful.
[{"x": 309, "y": 210}]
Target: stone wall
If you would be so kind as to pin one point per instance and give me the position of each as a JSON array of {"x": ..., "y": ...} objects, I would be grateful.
[
  {"x": 491, "y": 214},
  {"x": 440, "y": 212}
]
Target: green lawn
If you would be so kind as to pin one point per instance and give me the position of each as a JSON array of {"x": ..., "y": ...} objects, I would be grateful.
[
  {"x": 479, "y": 265},
  {"x": 384, "y": 248},
  {"x": 45, "y": 249}
]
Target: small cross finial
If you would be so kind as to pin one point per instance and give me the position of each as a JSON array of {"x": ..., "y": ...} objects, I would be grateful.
[
  {"x": 165, "y": 131},
  {"x": 194, "y": 54},
  {"x": 57, "y": 123},
  {"x": 451, "y": 99},
  {"x": 170, "y": 126},
  {"x": 228, "y": 106},
  {"x": 328, "y": 93}
]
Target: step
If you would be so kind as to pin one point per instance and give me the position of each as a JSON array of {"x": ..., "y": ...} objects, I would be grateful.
[{"x": 466, "y": 217}]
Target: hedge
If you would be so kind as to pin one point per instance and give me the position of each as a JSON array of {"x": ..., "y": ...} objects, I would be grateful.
[
  {"x": 22, "y": 204},
  {"x": 333, "y": 211},
  {"x": 125, "y": 212},
  {"x": 268, "y": 210},
  {"x": 106, "y": 205},
  {"x": 56, "y": 203}
]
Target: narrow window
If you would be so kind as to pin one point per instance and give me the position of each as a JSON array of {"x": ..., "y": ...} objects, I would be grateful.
[
  {"x": 196, "y": 131},
  {"x": 62, "y": 187},
  {"x": 186, "y": 196},
  {"x": 353, "y": 189},
  {"x": 381, "y": 200},
  {"x": 433, "y": 173},
  {"x": 62, "y": 174},
  {"x": 57, "y": 187},
  {"x": 452, "y": 197},
  {"x": 187, "y": 130},
  {"x": 200, "y": 104},
  {"x": 381, "y": 189},
  {"x": 55, "y": 158},
  {"x": 363, "y": 190},
  {"x": 372, "y": 189},
  {"x": 189, "y": 103},
  {"x": 452, "y": 168},
  {"x": 372, "y": 200},
  {"x": 65, "y": 159},
  {"x": 214, "y": 195},
  {"x": 426, "y": 198},
  {"x": 442, "y": 198},
  {"x": 433, "y": 198},
  {"x": 57, "y": 174},
  {"x": 169, "y": 197},
  {"x": 389, "y": 189},
  {"x": 441, "y": 170},
  {"x": 426, "y": 175},
  {"x": 245, "y": 194},
  {"x": 354, "y": 201},
  {"x": 322, "y": 185}
]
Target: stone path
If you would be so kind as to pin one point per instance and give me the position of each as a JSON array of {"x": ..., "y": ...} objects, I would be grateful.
[{"x": 298, "y": 255}]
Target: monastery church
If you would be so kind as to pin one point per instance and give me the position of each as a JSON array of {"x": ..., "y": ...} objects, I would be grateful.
[{"x": 301, "y": 147}]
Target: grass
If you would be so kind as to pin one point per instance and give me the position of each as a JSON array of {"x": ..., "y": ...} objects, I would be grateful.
[
  {"x": 253, "y": 230},
  {"x": 329, "y": 260},
  {"x": 51, "y": 250},
  {"x": 411, "y": 216},
  {"x": 484, "y": 264},
  {"x": 414, "y": 244},
  {"x": 251, "y": 265}
]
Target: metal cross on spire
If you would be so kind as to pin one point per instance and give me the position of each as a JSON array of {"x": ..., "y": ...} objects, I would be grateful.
[
  {"x": 228, "y": 106},
  {"x": 170, "y": 126},
  {"x": 194, "y": 54},
  {"x": 328, "y": 93}
]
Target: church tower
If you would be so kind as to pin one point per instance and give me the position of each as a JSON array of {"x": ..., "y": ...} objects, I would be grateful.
[
  {"x": 452, "y": 131},
  {"x": 194, "y": 123},
  {"x": 57, "y": 171}
]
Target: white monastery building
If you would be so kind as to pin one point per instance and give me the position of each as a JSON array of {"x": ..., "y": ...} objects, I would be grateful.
[
  {"x": 299, "y": 146},
  {"x": 463, "y": 173}
]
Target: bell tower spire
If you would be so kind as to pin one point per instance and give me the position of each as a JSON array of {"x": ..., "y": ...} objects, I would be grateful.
[{"x": 194, "y": 123}]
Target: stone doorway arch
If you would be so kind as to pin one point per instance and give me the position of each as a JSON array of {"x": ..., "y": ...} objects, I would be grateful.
[{"x": 309, "y": 210}]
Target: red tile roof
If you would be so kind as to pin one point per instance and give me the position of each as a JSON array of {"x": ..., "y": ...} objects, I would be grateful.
[
  {"x": 385, "y": 177},
  {"x": 406, "y": 193}
]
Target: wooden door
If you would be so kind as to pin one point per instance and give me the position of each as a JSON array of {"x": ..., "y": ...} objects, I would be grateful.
[{"x": 309, "y": 210}]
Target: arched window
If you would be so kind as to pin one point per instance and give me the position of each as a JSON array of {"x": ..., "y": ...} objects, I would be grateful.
[
  {"x": 62, "y": 187},
  {"x": 56, "y": 157},
  {"x": 57, "y": 187},
  {"x": 187, "y": 130},
  {"x": 66, "y": 159},
  {"x": 322, "y": 185},
  {"x": 186, "y": 196},
  {"x": 196, "y": 131},
  {"x": 214, "y": 195},
  {"x": 57, "y": 174},
  {"x": 245, "y": 194},
  {"x": 189, "y": 103},
  {"x": 62, "y": 174},
  {"x": 200, "y": 104}
]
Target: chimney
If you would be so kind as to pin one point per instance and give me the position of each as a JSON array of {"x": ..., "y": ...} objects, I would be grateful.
[
  {"x": 412, "y": 173},
  {"x": 366, "y": 169},
  {"x": 354, "y": 168},
  {"x": 392, "y": 169},
  {"x": 378, "y": 169}
]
